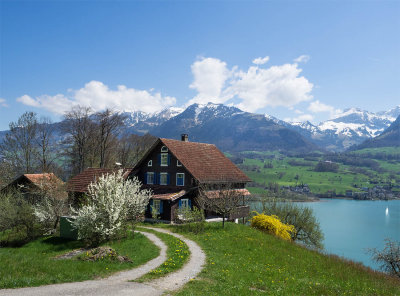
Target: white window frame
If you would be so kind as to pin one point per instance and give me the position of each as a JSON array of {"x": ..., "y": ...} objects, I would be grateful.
[
  {"x": 150, "y": 163},
  {"x": 184, "y": 203},
  {"x": 183, "y": 177},
  {"x": 166, "y": 178},
  {"x": 148, "y": 175},
  {"x": 157, "y": 205},
  {"x": 165, "y": 156},
  {"x": 164, "y": 149},
  {"x": 178, "y": 163}
]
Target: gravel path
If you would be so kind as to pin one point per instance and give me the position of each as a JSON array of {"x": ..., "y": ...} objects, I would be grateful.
[{"x": 118, "y": 284}]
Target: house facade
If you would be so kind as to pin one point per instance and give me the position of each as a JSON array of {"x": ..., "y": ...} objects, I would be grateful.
[{"x": 175, "y": 170}]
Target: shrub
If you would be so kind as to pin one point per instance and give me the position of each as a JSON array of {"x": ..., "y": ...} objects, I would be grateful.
[
  {"x": 192, "y": 220},
  {"x": 112, "y": 202},
  {"x": 308, "y": 230},
  {"x": 273, "y": 225}
]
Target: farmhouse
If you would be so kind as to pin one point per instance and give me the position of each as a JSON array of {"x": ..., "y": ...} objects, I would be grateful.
[
  {"x": 31, "y": 185},
  {"x": 176, "y": 170}
]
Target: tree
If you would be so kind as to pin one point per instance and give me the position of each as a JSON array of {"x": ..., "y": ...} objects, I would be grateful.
[
  {"x": 80, "y": 127},
  {"x": 132, "y": 147},
  {"x": 389, "y": 257},
  {"x": 52, "y": 202},
  {"x": 44, "y": 141},
  {"x": 112, "y": 201},
  {"x": 19, "y": 144},
  {"x": 308, "y": 230},
  {"x": 222, "y": 199},
  {"x": 109, "y": 123}
]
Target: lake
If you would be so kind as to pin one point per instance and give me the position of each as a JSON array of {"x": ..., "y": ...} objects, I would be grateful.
[{"x": 350, "y": 227}]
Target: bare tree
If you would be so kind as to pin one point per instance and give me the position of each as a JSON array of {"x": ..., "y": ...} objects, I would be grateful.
[
  {"x": 44, "y": 139},
  {"x": 132, "y": 147},
  {"x": 19, "y": 144},
  {"x": 79, "y": 126},
  {"x": 109, "y": 123},
  {"x": 222, "y": 199},
  {"x": 389, "y": 257}
]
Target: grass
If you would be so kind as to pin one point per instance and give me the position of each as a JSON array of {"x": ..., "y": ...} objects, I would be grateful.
[
  {"x": 177, "y": 255},
  {"x": 245, "y": 261},
  {"x": 286, "y": 174},
  {"x": 33, "y": 264}
]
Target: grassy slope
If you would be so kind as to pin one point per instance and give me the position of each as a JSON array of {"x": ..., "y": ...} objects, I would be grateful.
[
  {"x": 318, "y": 182},
  {"x": 32, "y": 264},
  {"x": 244, "y": 261},
  {"x": 177, "y": 255}
]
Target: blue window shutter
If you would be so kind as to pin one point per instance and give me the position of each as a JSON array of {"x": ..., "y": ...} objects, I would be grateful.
[
  {"x": 169, "y": 159},
  {"x": 159, "y": 159},
  {"x": 145, "y": 178},
  {"x": 180, "y": 203},
  {"x": 159, "y": 178},
  {"x": 190, "y": 203},
  {"x": 161, "y": 206},
  {"x": 167, "y": 179},
  {"x": 150, "y": 204}
]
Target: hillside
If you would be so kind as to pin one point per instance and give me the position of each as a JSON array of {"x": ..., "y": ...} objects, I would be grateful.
[{"x": 389, "y": 138}]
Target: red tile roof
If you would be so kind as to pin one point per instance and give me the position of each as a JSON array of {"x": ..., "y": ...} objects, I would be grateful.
[
  {"x": 169, "y": 196},
  {"x": 80, "y": 183},
  {"x": 205, "y": 162},
  {"x": 39, "y": 179}
]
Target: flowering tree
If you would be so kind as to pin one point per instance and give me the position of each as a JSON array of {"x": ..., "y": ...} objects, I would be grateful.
[{"x": 112, "y": 202}]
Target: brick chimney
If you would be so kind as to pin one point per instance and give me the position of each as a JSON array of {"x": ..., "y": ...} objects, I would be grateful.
[{"x": 185, "y": 138}]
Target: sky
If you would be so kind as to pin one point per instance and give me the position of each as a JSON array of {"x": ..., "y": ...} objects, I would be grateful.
[{"x": 295, "y": 60}]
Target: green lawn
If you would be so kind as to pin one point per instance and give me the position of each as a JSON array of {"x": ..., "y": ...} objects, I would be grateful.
[
  {"x": 244, "y": 261},
  {"x": 177, "y": 255},
  {"x": 33, "y": 264}
]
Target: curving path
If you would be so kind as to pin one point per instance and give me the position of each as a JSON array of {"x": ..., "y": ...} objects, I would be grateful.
[{"x": 118, "y": 284}]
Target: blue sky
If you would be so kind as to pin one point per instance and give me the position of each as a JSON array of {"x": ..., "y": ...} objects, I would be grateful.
[{"x": 294, "y": 60}]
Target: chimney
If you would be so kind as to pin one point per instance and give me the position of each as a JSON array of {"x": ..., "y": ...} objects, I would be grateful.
[{"x": 185, "y": 138}]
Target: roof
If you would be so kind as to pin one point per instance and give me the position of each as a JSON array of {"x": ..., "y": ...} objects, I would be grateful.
[
  {"x": 80, "y": 182},
  {"x": 205, "y": 162},
  {"x": 39, "y": 179},
  {"x": 169, "y": 196},
  {"x": 218, "y": 193}
]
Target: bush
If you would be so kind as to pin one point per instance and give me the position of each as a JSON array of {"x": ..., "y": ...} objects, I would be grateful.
[
  {"x": 112, "y": 202},
  {"x": 192, "y": 220},
  {"x": 308, "y": 230},
  {"x": 17, "y": 220},
  {"x": 273, "y": 225}
]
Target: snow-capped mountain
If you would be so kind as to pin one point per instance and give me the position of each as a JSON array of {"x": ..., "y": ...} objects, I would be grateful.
[{"x": 351, "y": 127}]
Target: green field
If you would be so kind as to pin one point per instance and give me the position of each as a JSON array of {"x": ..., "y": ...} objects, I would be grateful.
[
  {"x": 288, "y": 170},
  {"x": 245, "y": 261}
]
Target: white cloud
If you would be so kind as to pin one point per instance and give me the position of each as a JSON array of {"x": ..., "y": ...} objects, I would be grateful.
[
  {"x": 3, "y": 103},
  {"x": 261, "y": 61},
  {"x": 210, "y": 75},
  {"x": 318, "y": 107},
  {"x": 301, "y": 118},
  {"x": 302, "y": 59},
  {"x": 98, "y": 96},
  {"x": 252, "y": 89}
]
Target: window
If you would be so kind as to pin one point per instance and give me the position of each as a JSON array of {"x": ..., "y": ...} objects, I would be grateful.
[
  {"x": 164, "y": 159},
  {"x": 180, "y": 179},
  {"x": 178, "y": 163},
  {"x": 184, "y": 203},
  {"x": 164, "y": 149},
  {"x": 163, "y": 178},
  {"x": 150, "y": 178},
  {"x": 150, "y": 163},
  {"x": 156, "y": 206}
]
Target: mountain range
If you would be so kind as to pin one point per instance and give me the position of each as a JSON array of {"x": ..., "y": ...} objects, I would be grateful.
[{"x": 233, "y": 129}]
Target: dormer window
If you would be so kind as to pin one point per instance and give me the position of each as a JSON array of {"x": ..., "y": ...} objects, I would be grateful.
[
  {"x": 150, "y": 163},
  {"x": 178, "y": 163},
  {"x": 164, "y": 149}
]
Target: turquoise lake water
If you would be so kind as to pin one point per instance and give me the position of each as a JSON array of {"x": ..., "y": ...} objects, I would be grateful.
[{"x": 350, "y": 227}]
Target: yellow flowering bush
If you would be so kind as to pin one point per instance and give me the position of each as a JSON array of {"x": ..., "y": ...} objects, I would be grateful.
[{"x": 272, "y": 225}]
